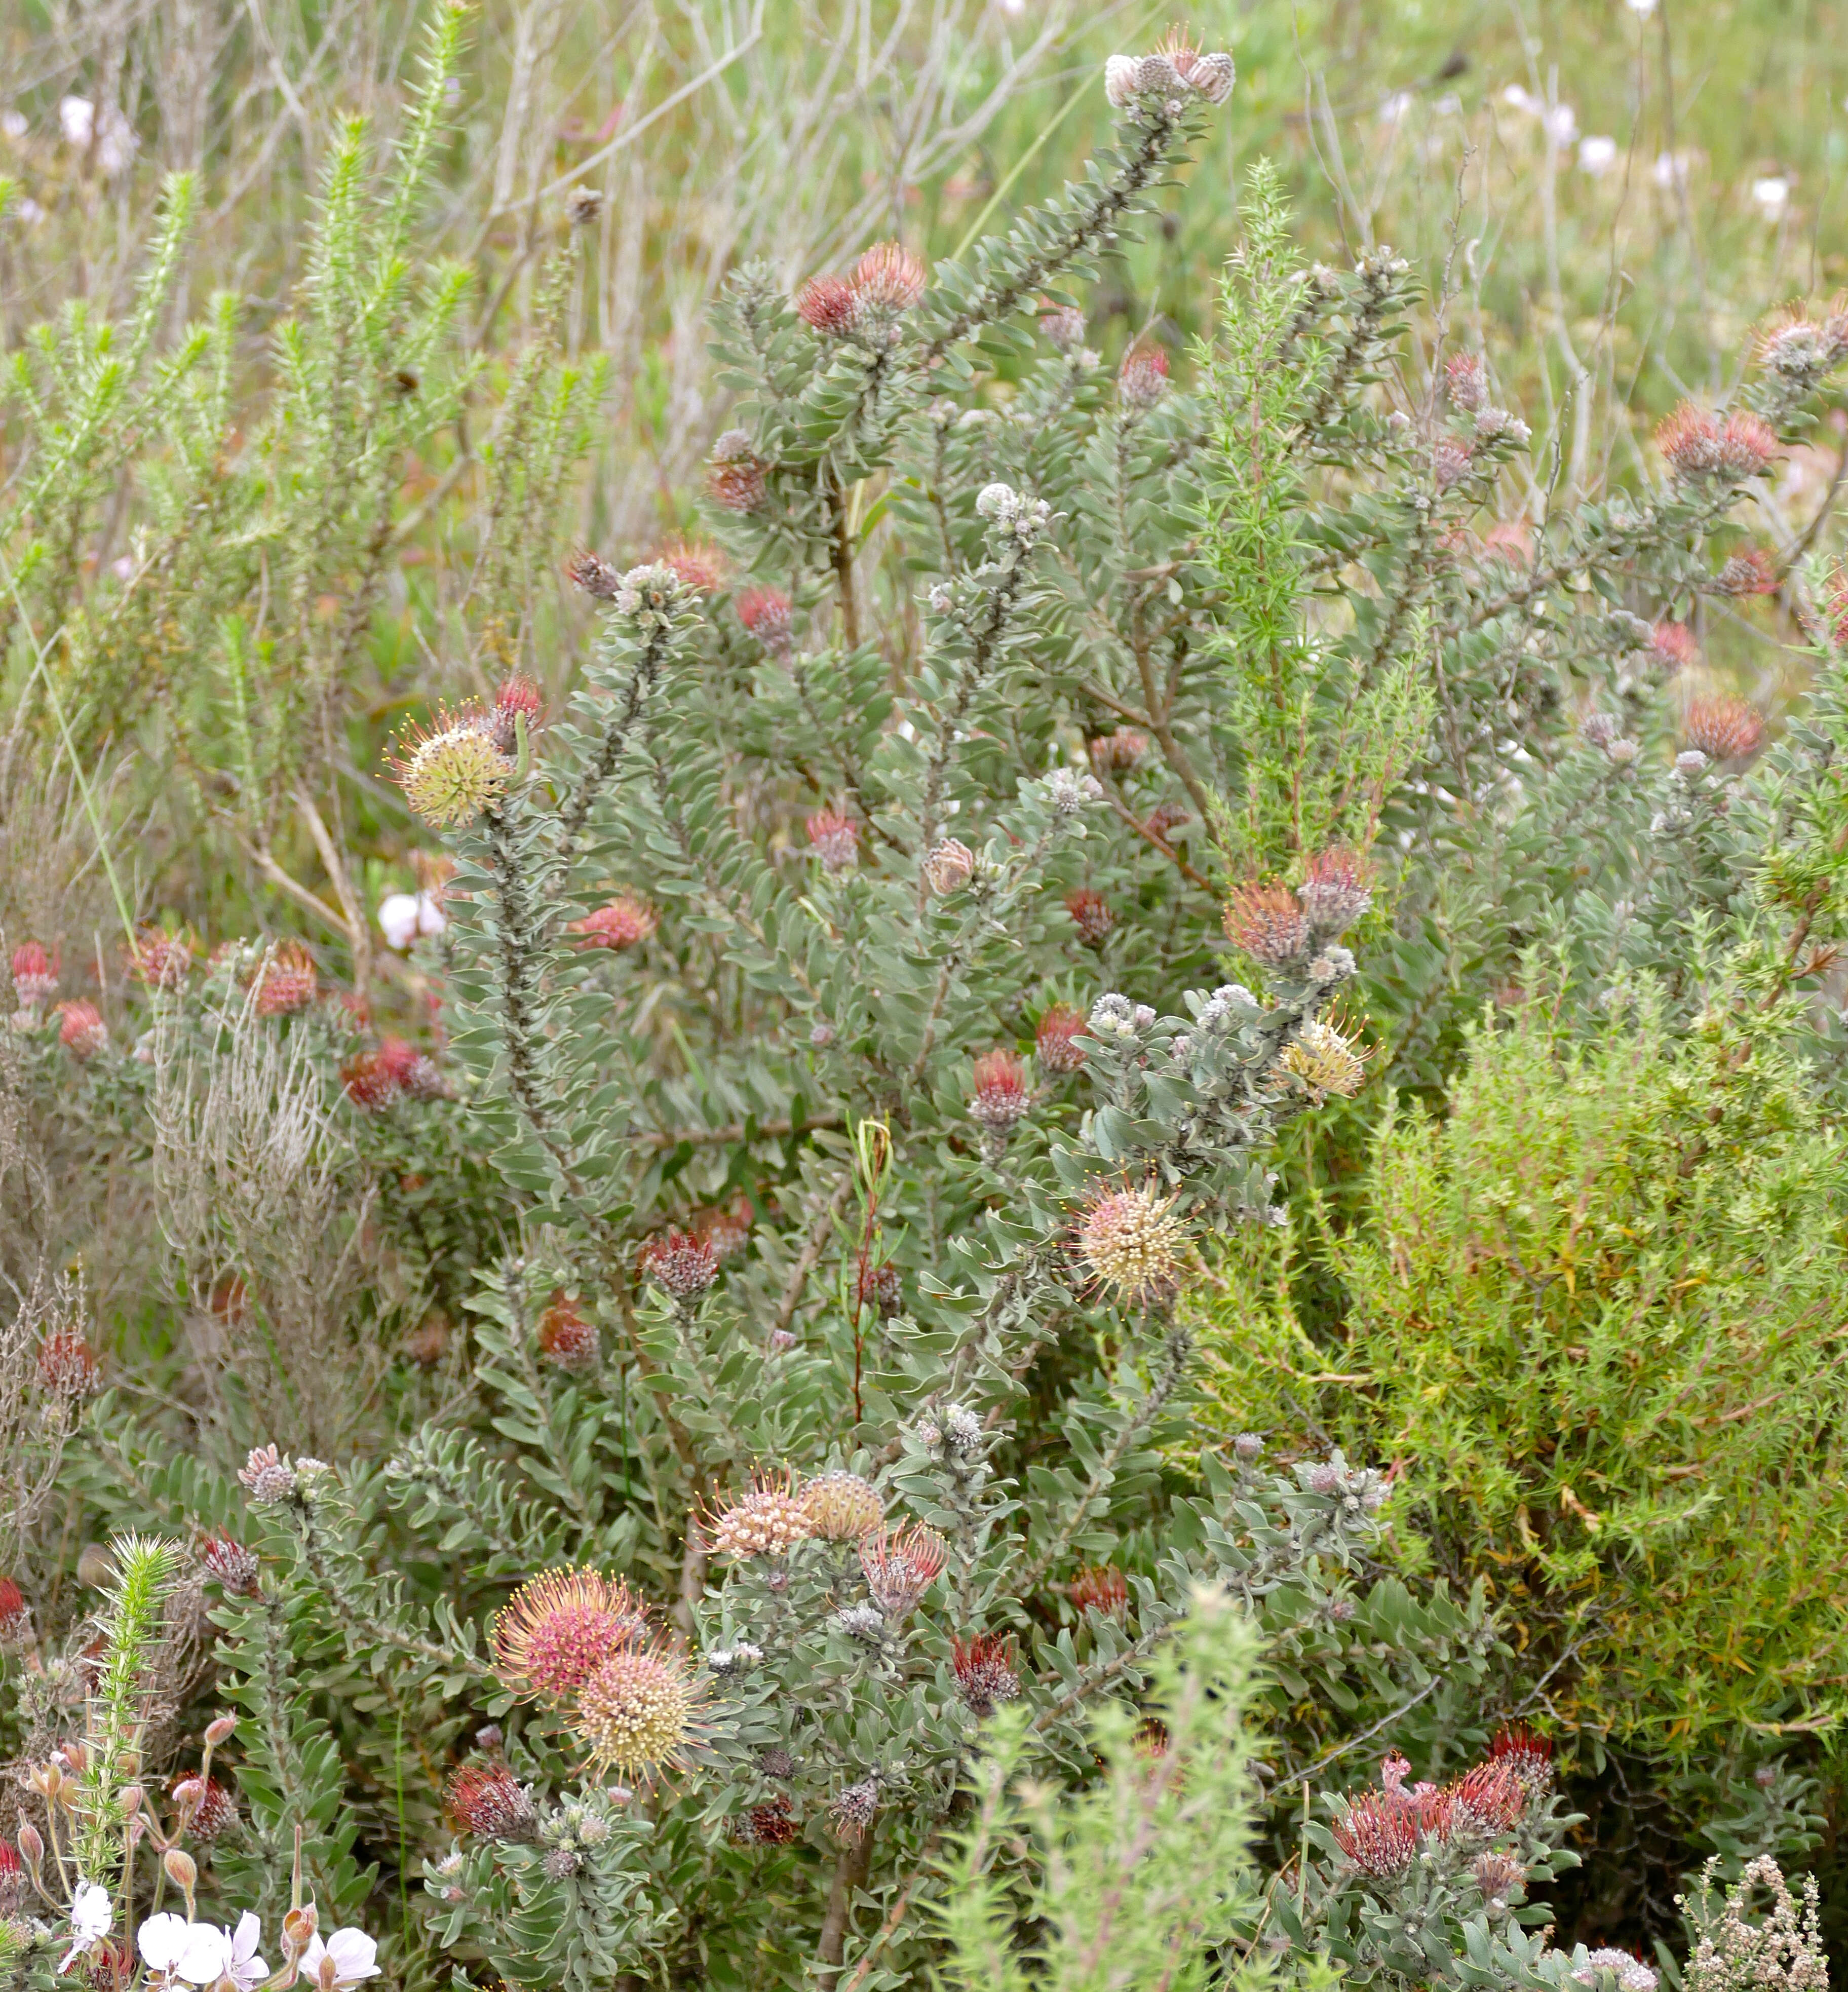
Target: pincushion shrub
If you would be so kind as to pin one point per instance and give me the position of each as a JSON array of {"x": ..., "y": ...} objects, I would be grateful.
[{"x": 862, "y": 1014}]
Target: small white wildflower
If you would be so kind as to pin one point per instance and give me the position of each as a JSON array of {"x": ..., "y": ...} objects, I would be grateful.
[{"x": 1596, "y": 155}]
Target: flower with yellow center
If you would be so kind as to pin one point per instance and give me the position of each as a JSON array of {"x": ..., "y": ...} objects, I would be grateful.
[
  {"x": 1324, "y": 1059},
  {"x": 640, "y": 1712},
  {"x": 454, "y": 771},
  {"x": 1135, "y": 1245}
]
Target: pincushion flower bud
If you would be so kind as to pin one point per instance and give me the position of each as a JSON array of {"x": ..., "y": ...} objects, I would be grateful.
[
  {"x": 1112, "y": 752},
  {"x": 836, "y": 840},
  {"x": 452, "y": 771},
  {"x": 829, "y": 305},
  {"x": 235, "y": 1568},
  {"x": 1724, "y": 727},
  {"x": 738, "y": 479},
  {"x": 1338, "y": 890},
  {"x": 889, "y": 277},
  {"x": 694, "y": 564},
  {"x": 1379, "y": 1834},
  {"x": 624, "y": 921},
  {"x": 1751, "y": 571},
  {"x": 682, "y": 1264},
  {"x": 998, "y": 1099},
  {"x": 1100, "y": 1587},
  {"x": 68, "y": 1367},
  {"x": 1064, "y": 326},
  {"x": 487, "y": 1802},
  {"x": 1466, "y": 382},
  {"x": 765, "y": 613},
  {"x": 1134, "y": 1245},
  {"x": 1673, "y": 645},
  {"x": 1267, "y": 923},
  {"x": 901, "y": 1564},
  {"x": 34, "y": 982},
  {"x": 517, "y": 700},
  {"x": 1142, "y": 379},
  {"x": 1055, "y": 1043},
  {"x": 285, "y": 981},
  {"x": 566, "y": 1339},
  {"x": 949, "y": 866},
  {"x": 986, "y": 1673},
  {"x": 1093, "y": 915},
  {"x": 81, "y": 1030},
  {"x": 266, "y": 1476}
]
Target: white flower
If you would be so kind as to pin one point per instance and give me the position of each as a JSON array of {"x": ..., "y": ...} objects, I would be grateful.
[
  {"x": 242, "y": 1967},
  {"x": 346, "y": 1957},
  {"x": 1596, "y": 155},
  {"x": 1517, "y": 98},
  {"x": 13, "y": 124},
  {"x": 117, "y": 145},
  {"x": 403, "y": 915},
  {"x": 1395, "y": 106},
  {"x": 1562, "y": 125},
  {"x": 1643, "y": 9},
  {"x": 1772, "y": 193},
  {"x": 77, "y": 120},
  {"x": 91, "y": 1914},
  {"x": 1670, "y": 169}
]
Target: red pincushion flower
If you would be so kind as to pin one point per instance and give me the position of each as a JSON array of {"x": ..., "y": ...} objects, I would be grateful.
[
  {"x": 1055, "y": 1043},
  {"x": 1268, "y": 924},
  {"x": 1379, "y": 1834},
  {"x": 1099, "y": 1587},
  {"x": 624, "y": 921},
  {"x": 829, "y": 305},
  {"x": 1093, "y": 915}
]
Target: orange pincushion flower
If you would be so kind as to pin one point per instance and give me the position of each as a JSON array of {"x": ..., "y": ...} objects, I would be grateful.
[{"x": 556, "y": 1631}]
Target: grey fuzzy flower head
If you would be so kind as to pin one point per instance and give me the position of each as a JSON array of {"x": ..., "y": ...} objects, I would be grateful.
[
  {"x": 1114, "y": 1020},
  {"x": 1070, "y": 793}
]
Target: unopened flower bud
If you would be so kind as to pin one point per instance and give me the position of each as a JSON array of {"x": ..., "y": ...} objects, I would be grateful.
[
  {"x": 949, "y": 867},
  {"x": 183, "y": 1870},
  {"x": 1248, "y": 1446},
  {"x": 32, "y": 1844},
  {"x": 299, "y": 1927},
  {"x": 220, "y": 1730}
]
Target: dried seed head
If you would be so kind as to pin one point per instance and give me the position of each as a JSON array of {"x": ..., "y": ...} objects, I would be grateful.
[
  {"x": 889, "y": 277},
  {"x": 841, "y": 1507},
  {"x": 949, "y": 867},
  {"x": 1100, "y": 1587},
  {"x": 682, "y": 1264},
  {"x": 67, "y": 1366},
  {"x": 985, "y": 1672},
  {"x": 1338, "y": 889},
  {"x": 236, "y": 1569},
  {"x": 879, "y": 1288},
  {"x": 829, "y": 305},
  {"x": 1093, "y": 915},
  {"x": 557, "y": 1629},
  {"x": 1055, "y": 1043},
  {"x": 487, "y": 1802},
  {"x": 1723, "y": 728},
  {"x": 211, "y": 1810},
  {"x": 1324, "y": 1059},
  {"x": 582, "y": 206},
  {"x": 776, "y": 1762},
  {"x": 766, "y": 614},
  {"x": 452, "y": 771},
  {"x": 624, "y": 921},
  {"x": 1268, "y": 923},
  {"x": 900, "y": 1565},
  {"x": 852, "y": 1811},
  {"x": 769, "y": 1825},
  {"x": 836, "y": 839},
  {"x": 769, "y": 1521},
  {"x": 1134, "y": 1245},
  {"x": 566, "y": 1339},
  {"x": 81, "y": 1030},
  {"x": 639, "y": 1712},
  {"x": 998, "y": 1098},
  {"x": 594, "y": 575},
  {"x": 1142, "y": 379}
]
